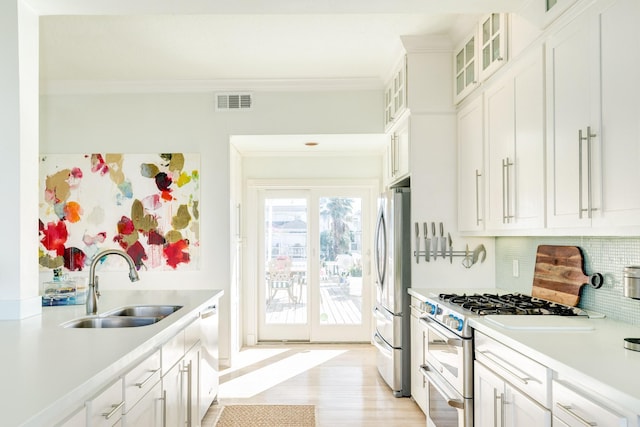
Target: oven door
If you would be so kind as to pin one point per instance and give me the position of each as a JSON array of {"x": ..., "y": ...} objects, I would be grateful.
[
  {"x": 445, "y": 406},
  {"x": 450, "y": 355}
]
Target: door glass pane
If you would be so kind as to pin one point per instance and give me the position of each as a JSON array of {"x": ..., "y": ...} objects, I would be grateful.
[
  {"x": 469, "y": 50},
  {"x": 340, "y": 261},
  {"x": 470, "y": 75},
  {"x": 486, "y": 31},
  {"x": 495, "y": 23},
  {"x": 496, "y": 48},
  {"x": 285, "y": 261},
  {"x": 486, "y": 57}
]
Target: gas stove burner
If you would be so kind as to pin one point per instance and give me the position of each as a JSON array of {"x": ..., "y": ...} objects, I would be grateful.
[{"x": 513, "y": 303}]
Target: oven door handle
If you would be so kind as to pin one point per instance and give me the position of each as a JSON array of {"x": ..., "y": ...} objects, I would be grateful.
[
  {"x": 451, "y": 338},
  {"x": 441, "y": 387}
]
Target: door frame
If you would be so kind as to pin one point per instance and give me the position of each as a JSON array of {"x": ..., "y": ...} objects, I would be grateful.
[{"x": 252, "y": 251}]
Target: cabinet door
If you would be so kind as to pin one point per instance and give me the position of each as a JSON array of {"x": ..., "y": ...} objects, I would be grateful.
[
  {"x": 520, "y": 410},
  {"x": 500, "y": 137},
  {"x": 470, "y": 167},
  {"x": 514, "y": 110},
  {"x": 488, "y": 396},
  {"x": 190, "y": 381},
  {"x": 570, "y": 97},
  {"x": 173, "y": 397},
  {"x": 418, "y": 381},
  {"x": 619, "y": 40},
  {"x": 528, "y": 173},
  {"x": 465, "y": 69},
  {"x": 493, "y": 43},
  {"x": 148, "y": 410}
]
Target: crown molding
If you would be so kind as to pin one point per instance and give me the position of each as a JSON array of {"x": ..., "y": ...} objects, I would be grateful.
[{"x": 59, "y": 87}]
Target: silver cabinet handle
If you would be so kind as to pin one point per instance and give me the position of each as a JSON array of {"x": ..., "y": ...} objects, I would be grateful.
[
  {"x": 115, "y": 408},
  {"x": 498, "y": 412},
  {"x": 508, "y": 367},
  {"x": 146, "y": 380},
  {"x": 506, "y": 191},
  {"x": 164, "y": 408},
  {"x": 478, "y": 175},
  {"x": 568, "y": 410},
  {"x": 587, "y": 138},
  {"x": 187, "y": 370},
  {"x": 210, "y": 311}
]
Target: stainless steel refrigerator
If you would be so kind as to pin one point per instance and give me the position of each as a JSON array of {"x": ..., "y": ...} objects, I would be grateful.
[{"x": 392, "y": 259}]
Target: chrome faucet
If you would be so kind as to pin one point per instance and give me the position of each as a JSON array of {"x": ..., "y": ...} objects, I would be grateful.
[{"x": 92, "y": 298}]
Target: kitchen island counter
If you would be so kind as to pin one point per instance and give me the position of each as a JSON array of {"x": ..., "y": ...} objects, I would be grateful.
[{"x": 49, "y": 370}]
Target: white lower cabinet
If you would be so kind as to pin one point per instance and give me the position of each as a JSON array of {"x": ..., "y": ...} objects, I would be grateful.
[
  {"x": 497, "y": 403},
  {"x": 180, "y": 382},
  {"x": 510, "y": 389},
  {"x": 573, "y": 406},
  {"x": 105, "y": 409},
  {"x": 418, "y": 381},
  {"x": 148, "y": 410},
  {"x": 143, "y": 394}
]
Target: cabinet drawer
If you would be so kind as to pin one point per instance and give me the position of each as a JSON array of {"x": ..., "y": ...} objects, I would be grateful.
[
  {"x": 577, "y": 409},
  {"x": 520, "y": 371},
  {"x": 106, "y": 408},
  {"x": 141, "y": 379}
]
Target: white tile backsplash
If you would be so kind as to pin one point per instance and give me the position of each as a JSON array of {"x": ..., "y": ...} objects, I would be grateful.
[{"x": 605, "y": 255}]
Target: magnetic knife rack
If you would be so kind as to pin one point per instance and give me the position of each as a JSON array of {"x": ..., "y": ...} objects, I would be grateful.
[{"x": 443, "y": 246}]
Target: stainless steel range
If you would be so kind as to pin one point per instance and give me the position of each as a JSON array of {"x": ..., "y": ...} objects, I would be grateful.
[{"x": 448, "y": 367}]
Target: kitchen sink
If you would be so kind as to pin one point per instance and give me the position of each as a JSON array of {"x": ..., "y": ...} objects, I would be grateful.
[
  {"x": 144, "y": 311},
  {"x": 111, "y": 322}
]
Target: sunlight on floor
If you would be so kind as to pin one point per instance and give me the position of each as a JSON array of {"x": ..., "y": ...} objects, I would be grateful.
[
  {"x": 257, "y": 381},
  {"x": 251, "y": 356}
]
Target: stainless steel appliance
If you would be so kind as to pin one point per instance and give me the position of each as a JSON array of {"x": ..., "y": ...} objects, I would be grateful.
[
  {"x": 392, "y": 259},
  {"x": 449, "y": 348}
]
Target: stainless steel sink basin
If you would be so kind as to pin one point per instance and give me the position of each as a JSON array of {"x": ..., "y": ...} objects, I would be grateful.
[
  {"x": 144, "y": 311},
  {"x": 111, "y": 322}
]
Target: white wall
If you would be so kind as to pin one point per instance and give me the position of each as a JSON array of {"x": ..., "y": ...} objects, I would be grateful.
[{"x": 188, "y": 122}]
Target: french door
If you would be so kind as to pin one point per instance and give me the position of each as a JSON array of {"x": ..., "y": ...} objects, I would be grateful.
[{"x": 312, "y": 261}]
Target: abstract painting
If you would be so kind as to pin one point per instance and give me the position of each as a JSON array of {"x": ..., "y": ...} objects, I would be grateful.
[{"x": 144, "y": 204}]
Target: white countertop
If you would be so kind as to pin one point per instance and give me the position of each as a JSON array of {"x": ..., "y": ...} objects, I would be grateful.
[
  {"x": 590, "y": 351},
  {"x": 47, "y": 368}
]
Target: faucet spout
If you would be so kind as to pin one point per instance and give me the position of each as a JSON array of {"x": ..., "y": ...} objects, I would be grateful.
[{"x": 92, "y": 298}]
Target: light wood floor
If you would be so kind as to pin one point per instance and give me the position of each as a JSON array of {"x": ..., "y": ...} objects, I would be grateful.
[{"x": 341, "y": 380}]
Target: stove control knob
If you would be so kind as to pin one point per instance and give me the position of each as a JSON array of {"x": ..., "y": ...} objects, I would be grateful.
[
  {"x": 457, "y": 323},
  {"x": 430, "y": 308}
]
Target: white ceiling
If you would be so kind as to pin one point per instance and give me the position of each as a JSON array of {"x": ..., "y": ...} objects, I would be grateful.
[
  {"x": 245, "y": 42},
  {"x": 134, "y": 45}
]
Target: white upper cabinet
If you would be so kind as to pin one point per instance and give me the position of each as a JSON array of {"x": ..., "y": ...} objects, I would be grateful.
[
  {"x": 471, "y": 167},
  {"x": 593, "y": 140},
  {"x": 480, "y": 54},
  {"x": 514, "y": 111},
  {"x": 493, "y": 46},
  {"x": 466, "y": 68},
  {"x": 395, "y": 94}
]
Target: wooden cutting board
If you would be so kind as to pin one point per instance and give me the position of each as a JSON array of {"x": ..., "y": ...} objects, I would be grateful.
[{"x": 559, "y": 274}]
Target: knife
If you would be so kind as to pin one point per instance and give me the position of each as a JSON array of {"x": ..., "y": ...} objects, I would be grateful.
[
  {"x": 427, "y": 242},
  {"x": 435, "y": 241},
  {"x": 450, "y": 249},
  {"x": 444, "y": 242},
  {"x": 417, "y": 243}
]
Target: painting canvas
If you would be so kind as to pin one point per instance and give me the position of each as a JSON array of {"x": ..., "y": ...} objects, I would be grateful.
[{"x": 144, "y": 204}]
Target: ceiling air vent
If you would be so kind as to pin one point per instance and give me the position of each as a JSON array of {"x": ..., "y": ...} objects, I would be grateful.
[{"x": 233, "y": 101}]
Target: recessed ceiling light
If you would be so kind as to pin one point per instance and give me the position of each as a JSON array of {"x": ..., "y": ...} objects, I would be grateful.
[{"x": 310, "y": 144}]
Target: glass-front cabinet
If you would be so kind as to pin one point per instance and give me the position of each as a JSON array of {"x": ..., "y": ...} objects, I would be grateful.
[
  {"x": 465, "y": 67},
  {"x": 480, "y": 54},
  {"x": 492, "y": 43}
]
